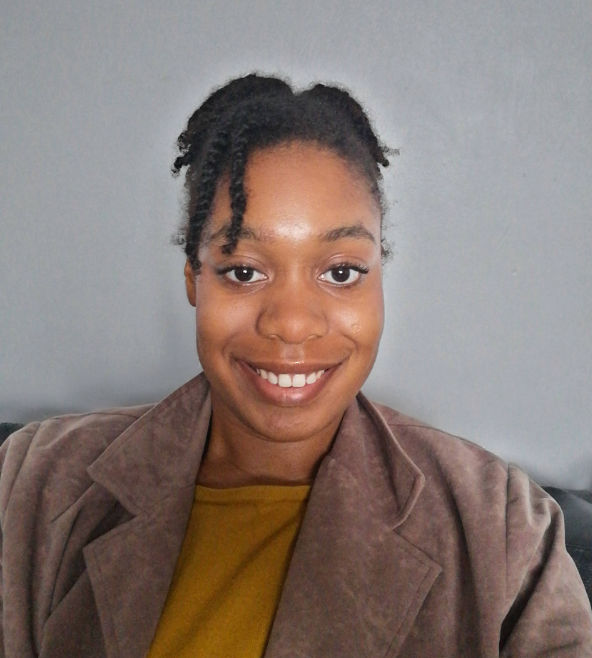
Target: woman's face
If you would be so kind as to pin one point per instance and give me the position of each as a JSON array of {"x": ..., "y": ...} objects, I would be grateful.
[{"x": 302, "y": 293}]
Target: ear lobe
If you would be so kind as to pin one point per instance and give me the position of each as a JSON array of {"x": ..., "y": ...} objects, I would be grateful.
[{"x": 190, "y": 283}]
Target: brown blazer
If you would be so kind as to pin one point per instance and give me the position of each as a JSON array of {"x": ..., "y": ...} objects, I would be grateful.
[{"x": 414, "y": 543}]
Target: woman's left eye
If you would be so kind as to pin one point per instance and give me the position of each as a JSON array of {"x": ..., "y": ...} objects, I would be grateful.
[
  {"x": 242, "y": 274},
  {"x": 343, "y": 275}
]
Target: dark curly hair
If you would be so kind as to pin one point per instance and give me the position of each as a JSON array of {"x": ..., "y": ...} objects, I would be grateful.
[{"x": 256, "y": 112}]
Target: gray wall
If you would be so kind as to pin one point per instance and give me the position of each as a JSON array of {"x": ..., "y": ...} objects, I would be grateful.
[{"x": 490, "y": 292}]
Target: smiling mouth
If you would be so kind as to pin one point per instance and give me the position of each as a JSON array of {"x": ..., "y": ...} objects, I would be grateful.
[
  {"x": 287, "y": 389},
  {"x": 286, "y": 380}
]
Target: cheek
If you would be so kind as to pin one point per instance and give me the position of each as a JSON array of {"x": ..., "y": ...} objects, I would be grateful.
[
  {"x": 363, "y": 321},
  {"x": 219, "y": 318}
]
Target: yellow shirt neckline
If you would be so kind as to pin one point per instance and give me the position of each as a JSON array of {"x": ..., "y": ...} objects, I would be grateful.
[{"x": 255, "y": 492}]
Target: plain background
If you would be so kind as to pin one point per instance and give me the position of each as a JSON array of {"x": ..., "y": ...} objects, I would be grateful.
[{"x": 489, "y": 294}]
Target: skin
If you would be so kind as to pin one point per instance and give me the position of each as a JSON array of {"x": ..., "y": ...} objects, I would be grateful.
[{"x": 307, "y": 212}]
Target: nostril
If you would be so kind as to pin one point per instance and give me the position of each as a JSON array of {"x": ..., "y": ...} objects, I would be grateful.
[{"x": 292, "y": 322}]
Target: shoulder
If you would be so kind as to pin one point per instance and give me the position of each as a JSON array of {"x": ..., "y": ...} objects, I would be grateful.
[
  {"x": 53, "y": 455},
  {"x": 439, "y": 454},
  {"x": 468, "y": 482},
  {"x": 485, "y": 521}
]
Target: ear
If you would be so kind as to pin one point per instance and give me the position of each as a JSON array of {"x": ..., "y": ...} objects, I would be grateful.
[{"x": 190, "y": 283}]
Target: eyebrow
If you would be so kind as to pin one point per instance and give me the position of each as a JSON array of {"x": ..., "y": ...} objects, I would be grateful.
[
  {"x": 352, "y": 231},
  {"x": 358, "y": 231}
]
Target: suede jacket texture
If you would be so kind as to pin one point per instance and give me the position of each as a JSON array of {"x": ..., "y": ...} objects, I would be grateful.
[{"x": 414, "y": 543}]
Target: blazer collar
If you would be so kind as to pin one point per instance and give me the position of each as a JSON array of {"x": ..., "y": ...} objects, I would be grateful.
[
  {"x": 159, "y": 453},
  {"x": 348, "y": 564},
  {"x": 367, "y": 449}
]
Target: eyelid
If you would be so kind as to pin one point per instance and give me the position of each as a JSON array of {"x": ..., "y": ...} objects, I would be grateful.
[
  {"x": 224, "y": 271},
  {"x": 346, "y": 266}
]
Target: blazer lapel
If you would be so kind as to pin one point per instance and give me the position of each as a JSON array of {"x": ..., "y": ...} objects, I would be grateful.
[
  {"x": 354, "y": 586},
  {"x": 151, "y": 469}
]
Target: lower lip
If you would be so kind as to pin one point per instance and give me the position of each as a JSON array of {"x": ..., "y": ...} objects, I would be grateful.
[{"x": 289, "y": 396}]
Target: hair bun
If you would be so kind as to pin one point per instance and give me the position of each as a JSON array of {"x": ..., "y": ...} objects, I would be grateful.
[{"x": 349, "y": 106}]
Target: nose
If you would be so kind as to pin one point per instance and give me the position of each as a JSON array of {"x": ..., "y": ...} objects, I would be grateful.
[{"x": 292, "y": 314}]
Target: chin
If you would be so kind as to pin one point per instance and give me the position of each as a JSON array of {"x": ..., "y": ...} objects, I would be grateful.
[{"x": 292, "y": 427}]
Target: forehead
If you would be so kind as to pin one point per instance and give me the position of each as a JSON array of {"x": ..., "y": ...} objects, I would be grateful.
[{"x": 296, "y": 192}]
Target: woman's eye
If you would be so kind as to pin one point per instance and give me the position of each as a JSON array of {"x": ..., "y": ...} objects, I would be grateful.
[
  {"x": 342, "y": 275},
  {"x": 243, "y": 274}
]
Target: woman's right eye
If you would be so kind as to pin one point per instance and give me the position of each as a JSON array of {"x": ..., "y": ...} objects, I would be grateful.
[{"x": 242, "y": 274}]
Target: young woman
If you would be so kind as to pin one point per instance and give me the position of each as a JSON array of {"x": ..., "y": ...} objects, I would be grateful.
[{"x": 267, "y": 508}]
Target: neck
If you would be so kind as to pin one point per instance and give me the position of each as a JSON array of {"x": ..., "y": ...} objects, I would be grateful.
[{"x": 236, "y": 456}]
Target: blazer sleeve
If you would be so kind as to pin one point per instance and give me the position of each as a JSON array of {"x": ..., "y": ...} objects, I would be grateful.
[
  {"x": 548, "y": 608},
  {"x": 12, "y": 455}
]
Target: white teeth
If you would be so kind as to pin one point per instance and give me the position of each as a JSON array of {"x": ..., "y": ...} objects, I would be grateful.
[
  {"x": 299, "y": 381},
  {"x": 287, "y": 381}
]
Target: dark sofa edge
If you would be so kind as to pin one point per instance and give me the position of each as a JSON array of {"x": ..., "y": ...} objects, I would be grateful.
[{"x": 6, "y": 429}]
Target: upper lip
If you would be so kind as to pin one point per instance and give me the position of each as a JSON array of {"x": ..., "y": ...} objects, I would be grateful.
[{"x": 292, "y": 368}]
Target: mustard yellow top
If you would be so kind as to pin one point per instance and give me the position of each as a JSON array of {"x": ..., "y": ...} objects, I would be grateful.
[{"x": 230, "y": 572}]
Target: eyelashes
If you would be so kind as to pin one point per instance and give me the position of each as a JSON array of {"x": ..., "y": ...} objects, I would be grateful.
[
  {"x": 342, "y": 275},
  {"x": 242, "y": 274}
]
